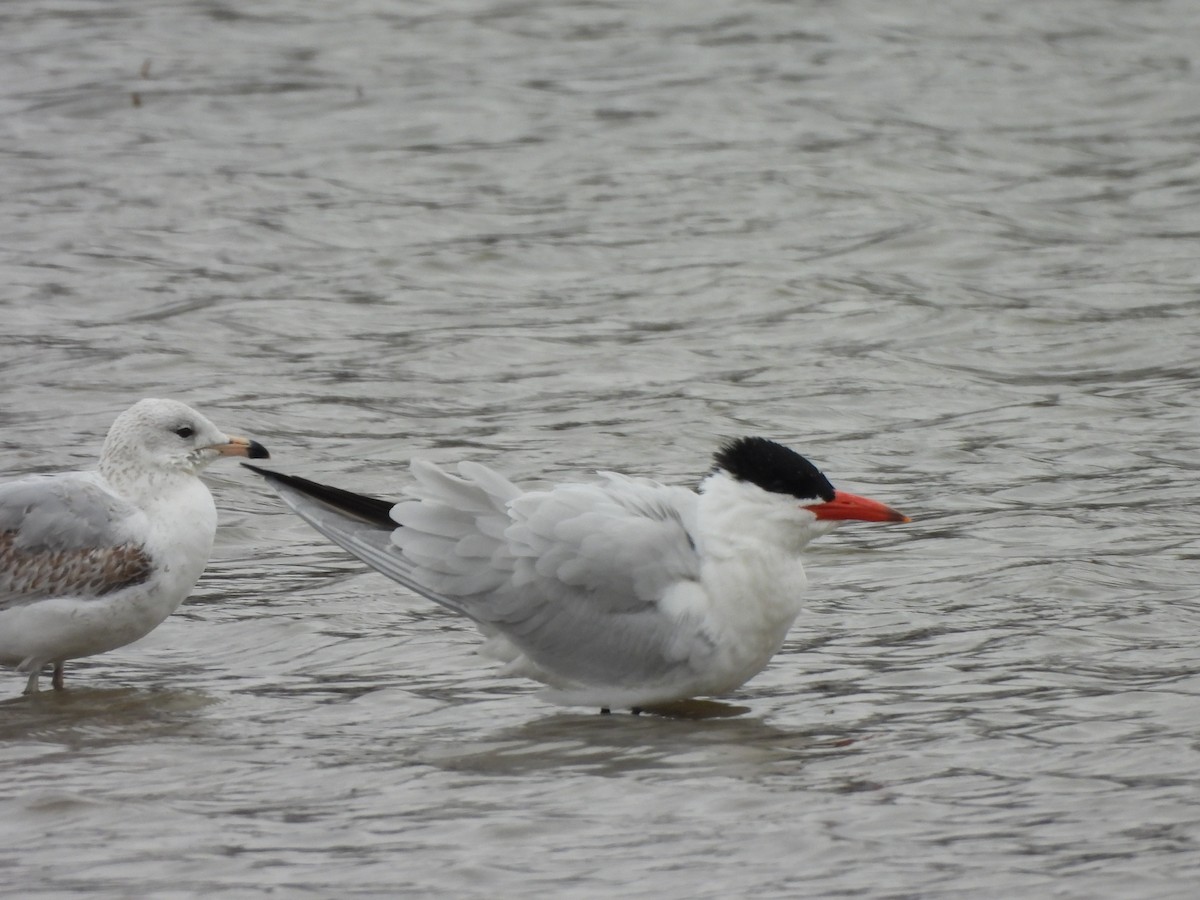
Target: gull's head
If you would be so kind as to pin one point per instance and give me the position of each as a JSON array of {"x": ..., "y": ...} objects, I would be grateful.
[
  {"x": 777, "y": 485},
  {"x": 169, "y": 436}
]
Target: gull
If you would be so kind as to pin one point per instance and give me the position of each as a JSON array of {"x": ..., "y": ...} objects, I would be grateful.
[
  {"x": 93, "y": 560},
  {"x": 621, "y": 592}
]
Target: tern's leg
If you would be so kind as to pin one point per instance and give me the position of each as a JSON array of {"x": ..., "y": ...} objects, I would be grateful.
[
  {"x": 56, "y": 680},
  {"x": 31, "y": 686}
]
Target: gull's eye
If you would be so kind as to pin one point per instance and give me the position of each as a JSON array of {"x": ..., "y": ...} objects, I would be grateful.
[{"x": 185, "y": 431}]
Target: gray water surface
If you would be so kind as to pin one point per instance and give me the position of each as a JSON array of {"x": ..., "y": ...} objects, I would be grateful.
[{"x": 949, "y": 251}]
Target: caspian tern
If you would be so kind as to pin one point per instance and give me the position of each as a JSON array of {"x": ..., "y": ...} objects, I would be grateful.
[
  {"x": 91, "y": 561},
  {"x": 621, "y": 592}
]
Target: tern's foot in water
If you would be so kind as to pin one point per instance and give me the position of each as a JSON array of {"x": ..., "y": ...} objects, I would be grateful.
[
  {"x": 686, "y": 709},
  {"x": 56, "y": 680},
  {"x": 695, "y": 709}
]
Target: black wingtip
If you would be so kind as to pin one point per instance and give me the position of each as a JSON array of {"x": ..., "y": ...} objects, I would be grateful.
[{"x": 374, "y": 510}]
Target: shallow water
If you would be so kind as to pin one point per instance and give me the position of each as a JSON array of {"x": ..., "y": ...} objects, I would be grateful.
[{"x": 947, "y": 251}]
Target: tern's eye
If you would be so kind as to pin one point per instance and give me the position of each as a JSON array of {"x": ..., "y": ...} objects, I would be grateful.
[{"x": 185, "y": 431}]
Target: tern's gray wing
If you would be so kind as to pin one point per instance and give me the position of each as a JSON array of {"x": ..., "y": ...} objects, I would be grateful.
[
  {"x": 363, "y": 525},
  {"x": 357, "y": 523},
  {"x": 66, "y": 535},
  {"x": 572, "y": 576},
  {"x": 590, "y": 566}
]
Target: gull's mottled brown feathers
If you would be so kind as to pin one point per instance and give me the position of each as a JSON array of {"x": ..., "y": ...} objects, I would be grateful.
[
  {"x": 64, "y": 536},
  {"x": 29, "y": 575}
]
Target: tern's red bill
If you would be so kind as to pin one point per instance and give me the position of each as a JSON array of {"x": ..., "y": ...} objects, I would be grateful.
[{"x": 845, "y": 505}]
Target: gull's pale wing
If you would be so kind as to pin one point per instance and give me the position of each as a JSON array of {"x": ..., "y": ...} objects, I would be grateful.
[
  {"x": 66, "y": 535},
  {"x": 572, "y": 576}
]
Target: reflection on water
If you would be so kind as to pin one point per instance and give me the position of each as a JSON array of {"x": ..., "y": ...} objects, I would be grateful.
[
  {"x": 91, "y": 717},
  {"x": 608, "y": 745},
  {"x": 949, "y": 255}
]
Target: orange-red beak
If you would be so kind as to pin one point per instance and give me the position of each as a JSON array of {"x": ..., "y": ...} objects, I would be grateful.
[{"x": 851, "y": 506}]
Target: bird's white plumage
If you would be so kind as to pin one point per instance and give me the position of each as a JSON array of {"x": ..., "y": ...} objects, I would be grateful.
[
  {"x": 90, "y": 561},
  {"x": 617, "y": 592}
]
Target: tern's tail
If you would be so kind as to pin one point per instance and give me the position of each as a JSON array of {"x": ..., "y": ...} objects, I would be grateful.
[
  {"x": 357, "y": 523},
  {"x": 360, "y": 524}
]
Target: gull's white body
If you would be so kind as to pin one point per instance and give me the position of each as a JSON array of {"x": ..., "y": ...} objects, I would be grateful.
[
  {"x": 91, "y": 561},
  {"x": 175, "y": 530},
  {"x": 621, "y": 592}
]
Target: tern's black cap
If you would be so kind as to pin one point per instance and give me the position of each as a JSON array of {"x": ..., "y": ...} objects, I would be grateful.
[{"x": 773, "y": 467}]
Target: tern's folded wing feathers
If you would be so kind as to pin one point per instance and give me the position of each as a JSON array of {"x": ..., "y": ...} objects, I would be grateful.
[
  {"x": 357, "y": 523},
  {"x": 573, "y": 576},
  {"x": 613, "y": 546},
  {"x": 592, "y": 564},
  {"x": 66, "y": 535},
  {"x": 617, "y": 545}
]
